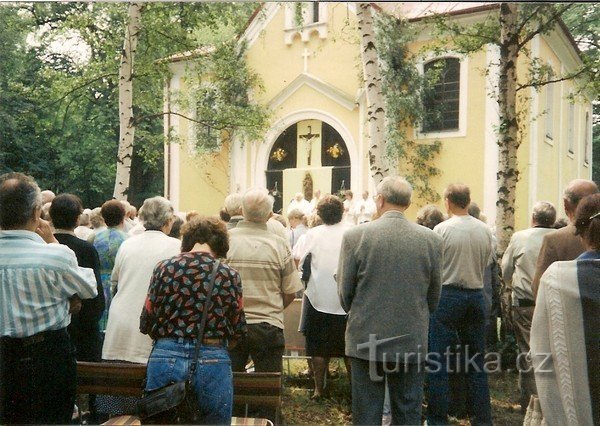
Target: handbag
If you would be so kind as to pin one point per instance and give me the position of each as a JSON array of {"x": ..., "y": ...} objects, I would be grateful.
[{"x": 177, "y": 403}]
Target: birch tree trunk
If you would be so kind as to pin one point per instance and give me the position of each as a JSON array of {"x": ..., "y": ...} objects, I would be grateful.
[
  {"x": 375, "y": 102},
  {"x": 126, "y": 121},
  {"x": 508, "y": 142}
]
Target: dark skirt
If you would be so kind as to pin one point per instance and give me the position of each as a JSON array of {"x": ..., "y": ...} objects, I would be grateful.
[{"x": 324, "y": 333}]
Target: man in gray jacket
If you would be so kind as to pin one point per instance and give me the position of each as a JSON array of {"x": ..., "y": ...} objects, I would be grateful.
[{"x": 389, "y": 281}]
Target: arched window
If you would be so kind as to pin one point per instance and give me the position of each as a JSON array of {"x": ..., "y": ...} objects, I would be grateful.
[{"x": 441, "y": 100}]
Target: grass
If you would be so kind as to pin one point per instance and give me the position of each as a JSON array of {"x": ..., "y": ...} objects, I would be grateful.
[{"x": 299, "y": 409}]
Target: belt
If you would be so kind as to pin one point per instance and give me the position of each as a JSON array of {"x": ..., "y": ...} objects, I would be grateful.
[
  {"x": 44, "y": 336},
  {"x": 214, "y": 341},
  {"x": 459, "y": 287},
  {"x": 523, "y": 303},
  {"x": 207, "y": 341}
]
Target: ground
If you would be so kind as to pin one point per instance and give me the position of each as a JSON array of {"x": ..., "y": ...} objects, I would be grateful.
[{"x": 299, "y": 409}]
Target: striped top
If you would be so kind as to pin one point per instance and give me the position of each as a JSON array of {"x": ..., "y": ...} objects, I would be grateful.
[
  {"x": 36, "y": 281},
  {"x": 265, "y": 264}
]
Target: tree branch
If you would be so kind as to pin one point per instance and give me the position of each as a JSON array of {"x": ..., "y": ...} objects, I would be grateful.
[
  {"x": 221, "y": 126},
  {"x": 544, "y": 25},
  {"x": 556, "y": 80},
  {"x": 76, "y": 88}
]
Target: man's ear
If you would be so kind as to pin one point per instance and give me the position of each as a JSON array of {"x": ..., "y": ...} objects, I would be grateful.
[{"x": 36, "y": 214}]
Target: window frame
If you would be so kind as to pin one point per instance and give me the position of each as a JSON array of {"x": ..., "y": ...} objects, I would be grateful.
[{"x": 462, "y": 97}]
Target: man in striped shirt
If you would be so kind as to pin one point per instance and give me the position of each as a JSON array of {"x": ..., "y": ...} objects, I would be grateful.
[{"x": 40, "y": 283}]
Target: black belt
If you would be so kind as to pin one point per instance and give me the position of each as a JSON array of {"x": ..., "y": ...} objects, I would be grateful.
[
  {"x": 458, "y": 287},
  {"x": 38, "y": 338},
  {"x": 523, "y": 303}
]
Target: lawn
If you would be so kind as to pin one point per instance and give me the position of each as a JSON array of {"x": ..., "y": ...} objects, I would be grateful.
[{"x": 299, "y": 409}]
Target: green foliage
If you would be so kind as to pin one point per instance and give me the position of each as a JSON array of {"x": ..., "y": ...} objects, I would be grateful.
[
  {"x": 59, "y": 109},
  {"x": 221, "y": 98},
  {"x": 404, "y": 90}
]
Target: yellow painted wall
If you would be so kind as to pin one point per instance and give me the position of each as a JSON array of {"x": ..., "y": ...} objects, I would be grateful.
[{"x": 204, "y": 181}]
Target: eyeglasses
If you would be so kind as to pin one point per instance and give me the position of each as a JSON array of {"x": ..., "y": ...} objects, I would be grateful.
[{"x": 594, "y": 216}]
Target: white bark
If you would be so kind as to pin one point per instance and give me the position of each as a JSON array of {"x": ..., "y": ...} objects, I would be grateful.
[
  {"x": 508, "y": 141},
  {"x": 375, "y": 102},
  {"x": 126, "y": 120}
]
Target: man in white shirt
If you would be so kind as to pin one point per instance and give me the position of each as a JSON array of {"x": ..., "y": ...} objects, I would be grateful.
[
  {"x": 461, "y": 311},
  {"x": 299, "y": 203},
  {"x": 518, "y": 264},
  {"x": 40, "y": 285},
  {"x": 365, "y": 208}
]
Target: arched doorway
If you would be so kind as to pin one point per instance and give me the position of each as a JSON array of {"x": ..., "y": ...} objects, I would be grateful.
[{"x": 307, "y": 149}]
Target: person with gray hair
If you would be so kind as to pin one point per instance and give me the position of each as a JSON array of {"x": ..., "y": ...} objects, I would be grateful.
[
  {"x": 518, "y": 268},
  {"x": 233, "y": 206},
  {"x": 270, "y": 278},
  {"x": 563, "y": 244},
  {"x": 430, "y": 216},
  {"x": 40, "y": 286},
  {"x": 131, "y": 275},
  {"x": 388, "y": 280}
]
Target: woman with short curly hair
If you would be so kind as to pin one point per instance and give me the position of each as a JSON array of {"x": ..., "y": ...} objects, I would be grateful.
[{"x": 173, "y": 311}]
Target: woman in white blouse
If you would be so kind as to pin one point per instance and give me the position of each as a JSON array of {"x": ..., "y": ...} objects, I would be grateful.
[{"x": 325, "y": 321}]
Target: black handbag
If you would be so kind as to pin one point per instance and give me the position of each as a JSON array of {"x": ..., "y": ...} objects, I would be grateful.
[{"x": 177, "y": 403}]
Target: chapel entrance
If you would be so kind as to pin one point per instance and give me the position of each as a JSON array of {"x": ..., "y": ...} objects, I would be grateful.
[{"x": 309, "y": 155}]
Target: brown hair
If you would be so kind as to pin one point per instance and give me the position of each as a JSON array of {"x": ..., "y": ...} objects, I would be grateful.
[
  {"x": 587, "y": 220},
  {"x": 113, "y": 212},
  {"x": 331, "y": 209},
  {"x": 458, "y": 194},
  {"x": 209, "y": 230}
]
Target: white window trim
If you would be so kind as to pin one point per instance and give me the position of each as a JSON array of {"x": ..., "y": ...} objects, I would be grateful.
[
  {"x": 192, "y": 126},
  {"x": 462, "y": 100},
  {"x": 588, "y": 137},
  {"x": 571, "y": 127},
  {"x": 291, "y": 29},
  {"x": 550, "y": 112}
]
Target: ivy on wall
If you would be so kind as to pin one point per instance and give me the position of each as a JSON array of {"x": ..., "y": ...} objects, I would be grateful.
[
  {"x": 404, "y": 89},
  {"x": 219, "y": 98}
]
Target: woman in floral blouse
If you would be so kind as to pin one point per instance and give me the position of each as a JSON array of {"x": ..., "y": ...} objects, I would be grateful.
[{"x": 173, "y": 311}]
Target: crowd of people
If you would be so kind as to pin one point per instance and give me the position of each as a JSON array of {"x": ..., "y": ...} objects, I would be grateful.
[{"x": 403, "y": 303}]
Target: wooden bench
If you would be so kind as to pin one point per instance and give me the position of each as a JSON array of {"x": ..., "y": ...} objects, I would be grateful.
[{"x": 122, "y": 379}]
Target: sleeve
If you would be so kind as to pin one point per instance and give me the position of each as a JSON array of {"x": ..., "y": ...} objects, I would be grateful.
[
  {"x": 546, "y": 257},
  {"x": 508, "y": 261},
  {"x": 114, "y": 277},
  {"x": 290, "y": 280},
  {"x": 347, "y": 273},
  {"x": 76, "y": 280},
  {"x": 435, "y": 285},
  {"x": 149, "y": 316},
  {"x": 238, "y": 317},
  {"x": 99, "y": 302}
]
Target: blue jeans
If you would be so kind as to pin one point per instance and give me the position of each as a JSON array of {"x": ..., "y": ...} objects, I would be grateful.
[
  {"x": 170, "y": 361},
  {"x": 460, "y": 315}
]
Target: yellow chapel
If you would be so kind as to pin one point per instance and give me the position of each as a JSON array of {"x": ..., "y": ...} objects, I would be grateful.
[{"x": 313, "y": 89}]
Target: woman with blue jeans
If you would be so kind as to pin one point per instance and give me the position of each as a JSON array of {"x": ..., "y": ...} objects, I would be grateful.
[{"x": 173, "y": 311}]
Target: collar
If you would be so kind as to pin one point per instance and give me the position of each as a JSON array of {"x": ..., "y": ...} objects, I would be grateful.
[
  {"x": 393, "y": 213},
  {"x": 64, "y": 231},
  {"x": 21, "y": 234},
  {"x": 252, "y": 225}
]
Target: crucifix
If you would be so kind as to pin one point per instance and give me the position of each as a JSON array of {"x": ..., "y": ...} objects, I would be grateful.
[
  {"x": 306, "y": 55},
  {"x": 308, "y": 138}
]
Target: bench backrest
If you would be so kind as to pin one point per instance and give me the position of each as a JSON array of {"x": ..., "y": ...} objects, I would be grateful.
[{"x": 108, "y": 378}]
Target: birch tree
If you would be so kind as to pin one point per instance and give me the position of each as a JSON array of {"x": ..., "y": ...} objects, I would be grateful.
[
  {"x": 514, "y": 27},
  {"x": 378, "y": 162},
  {"x": 126, "y": 119},
  {"x": 508, "y": 141}
]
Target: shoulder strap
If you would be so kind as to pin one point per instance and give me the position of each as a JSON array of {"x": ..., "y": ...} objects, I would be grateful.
[{"x": 202, "y": 325}]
